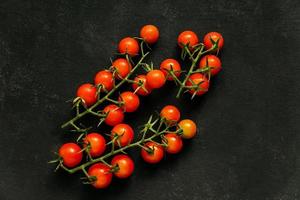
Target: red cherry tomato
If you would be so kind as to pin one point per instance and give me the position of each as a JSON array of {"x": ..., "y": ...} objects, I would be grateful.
[
  {"x": 96, "y": 144},
  {"x": 71, "y": 154},
  {"x": 188, "y": 127},
  {"x": 214, "y": 36},
  {"x": 211, "y": 61},
  {"x": 187, "y": 38},
  {"x": 153, "y": 154},
  {"x": 150, "y": 34},
  {"x": 196, "y": 79},
  {"x": 131, "y": 101},
  {"x": 124, "y": 166},
  {"x": 174, "y": 143},
  {"x": 170, "y": 64},
  {"x": 155, "y": 78},
  {"x": 139, "y": 90},
  {"x": 170, "y": 113},
  {"x": 122, "y": 66},
  {"x": 125, "y": 134},
  {"x": 104, "y": 78},
  {"x": 102, "y": 175},
  {"x": 114, "y": 116},
  {"x": 129, "y": 45},
  {"x": 88, "y": 93}
]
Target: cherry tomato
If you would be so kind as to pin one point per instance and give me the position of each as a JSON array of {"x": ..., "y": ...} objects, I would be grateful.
[
  {"x": 96, "y": 144},
  {"x": 168, "y": 65},
  {"x": 122, "y": 66},
  {"x": 71, "y": 154},
  {"x": 196, "y": 79},
  {"x": 131, "y": 101},
  {"x": 154, "y": 154},
  {"x": 211, "y": 61},
  {"x": 170, "y": 113},
  {"x": 174, "y": 143},
  {"x": 150, "y": 34},
  {"x": 187, "y": 38},
  {"x": 141, "y": 91},
  {"x": 104, "y": 78},
  {"x": 114, "y": 116},
  {"x": 124, "y": 166},
  {"x": 155, "y": 78},
  {"x": 214, "y": 36},
  {"x": 125, "y": 134},
  {"x": 102, "y": 175},
  {"x": 88, "y": 93},
  {"x": 129, "y": 45},
  {"x": 189, "y": 128}
]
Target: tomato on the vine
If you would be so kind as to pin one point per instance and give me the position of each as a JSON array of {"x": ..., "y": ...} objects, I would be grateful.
[
  {"x": 149, "y": 33},
  {"x": 170, "y": 113},
  {"x": 122, "y": 67},
  {"x": 129, "y": 45},
  {"x": 174, "y": 143},
  {"x": 189, "y": 38},
  {"x": 170, "y": 65},
  {"x": 130, "y": 101},
  {"x": 95, "y": 143},
  {"x": 152, "y": 152},
  {"x": 122, "y": 165},
  {"x": 88, "y": 94},
  {"x": 114, "y": 115},
  {"x": 104, "y": 78},
  {"x": 211, "y": 61},
  {"x": 101, "y": 175},
  {"x": 155, "y": 78},
  {"x": 188, "y": 127},
  {"x": 124, "y": 134},
  {"x": 140, "y": 90},
  {"x": 71, "y": 154},
  {"x": 215, "y": 36},
  {"x": 201, "y": 83}
]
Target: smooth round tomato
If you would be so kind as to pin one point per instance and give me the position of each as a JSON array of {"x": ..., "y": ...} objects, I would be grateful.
[
  {"x": 88, "y": 93},
  {"x": 170, "y": 64},
  {"x": 114, "y": 116},
  {"x": 170, "y": 113},
  {"x": 188, "y": 127},
  {"x": 123, "y": 164},
  {"x": 104, "y": 78},
  {"x": 125, "y": 134},
  {"x": 214, "y": 36},
  {"x": 189, "y": 38},
  {"x": 174, "y": 143},
  {"x": 96, "y": 144},
  {"x": 102, "y": 175},
  {"x": 211, "y": 61},
  {"x": 129, "y": 45},
  {"x": 140, "y": 90},
  {"x": 71, "y": 154},
  {"x": 196, "y": 79},
  {"x": 130, "y": 101},
  {"x": 122, "y": 67},
  {"x": 153, "y": 154},
  {"x": 155, "y": 78},
  {"x": 150, "y": 34}
]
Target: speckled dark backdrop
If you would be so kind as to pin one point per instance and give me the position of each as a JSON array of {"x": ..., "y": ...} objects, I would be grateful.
[{"x": 248, "y": 146}]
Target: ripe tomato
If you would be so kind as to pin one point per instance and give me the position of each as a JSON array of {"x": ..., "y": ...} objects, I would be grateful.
[
  {"x": 174, "y": 143},
  {"x": 189, "y": 128},
  {"x": 125, "y": 134},
  {"x": 214, "y": 36},
  {"x": 141, "y": 91},
  {"x": 170, "y": 113},
  {"x": 196, "y": 79},
  {"x": 129, "y": 45},
  {"x": 211, "y": 61},
  {"x": 88, "y": 93},
  {"x": 124, "y": 166},
  {"x": 102, "y": 175},
  {"x": 150, "y": 34},
  {"x": 122, "y": 66},
  {"x": 131, "y": 101},
  {"x": 155, "y": 78},
  {"x": 187, "y": 38},
  {"x": 104, "y": 78},
  {"x": 71, "y": 154},
  {"x": 154, "y": 154},
  {"x": 96, "y": 144},
  {"x": 114, "y": 116},
  {"x": 168, "y": 65}
]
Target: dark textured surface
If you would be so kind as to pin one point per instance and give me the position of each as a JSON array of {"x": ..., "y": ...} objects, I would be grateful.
[{"x": 248, "y": 146}]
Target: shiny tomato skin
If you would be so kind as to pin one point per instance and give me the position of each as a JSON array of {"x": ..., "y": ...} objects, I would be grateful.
[
  {"x": 96, "y": 142},
  {"x": 189, "y": 128},
  {"x": 71, "y": 154},
  {"x": 149, "y": 33},
  {"x": 115, "y": 115},
  {"x": 125, "y": 133},
  {"x": 214, "y": 36},
  {"x": 125, "y": 166},
  {"x": 170, "y": 113},
  {"x": 213, "y": 61},
  {"x": 131, "y": 101},
  {"x": 174, "y": 143},
  {"x": 102, "y": 174},
  {"x": 196, "y": 79},
  {"x": 88, "y": 93},
  {"x": 122, "y": 66},
  {"x": 187, "y": 37},
  {"x": 169, "y": 64},
  {"x": 155, "y": 156},
  {"x": 129, "y": 45},
  {"x": 155, "y": 78},
  {"x": 141, "y": 91},
  {"x": 104, "y": 78}
]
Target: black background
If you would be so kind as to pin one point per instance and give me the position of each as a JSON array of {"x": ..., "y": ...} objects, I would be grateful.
[{"x": 248, "y": 122}]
